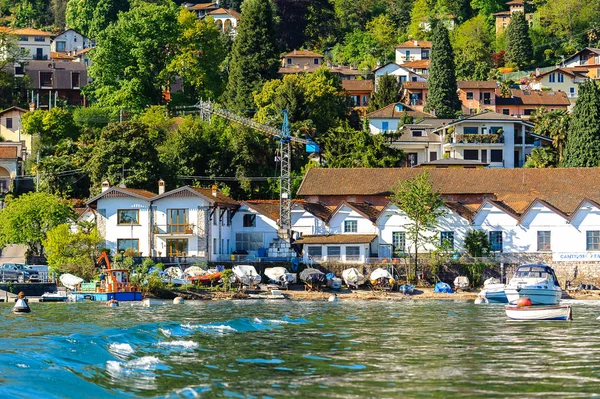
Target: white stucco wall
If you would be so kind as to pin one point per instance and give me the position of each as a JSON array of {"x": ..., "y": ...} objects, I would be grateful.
[
  {"x": 114, "y": 231},
  {"x": 73, "y": 41},
  {"x": 264, "y": 225},
  {"x": 363, "y": 225}
]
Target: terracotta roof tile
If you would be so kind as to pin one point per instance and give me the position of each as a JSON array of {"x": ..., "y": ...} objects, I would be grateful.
[
  {"x": 417, "y": 64},
  {"x": 414, "y": 44},
  {"x": 535, "y": 98},
  {"x": 370, "y": 211},
  {"x": 337, "y": 239},
  {"x": 516, "y": 188},
  {"x": 207, "y": 192},
  {"x": 225, "y": 11},
  {"x": 414, "y": 85},
  {"x": 60, "y": 56},
  {"x": 203, "y": 6},
  {"x": 319, "y": 210},
  {"x": 30, "y": 32},
  {"x": 392, "y": 111},
  {"x": 303, "y": 53},
  {"x": 357, "y": 85},
  {"x": 476, "y": 84},
  {"x": 268, "y": 208},
  {"x": 143, "y": 193}
]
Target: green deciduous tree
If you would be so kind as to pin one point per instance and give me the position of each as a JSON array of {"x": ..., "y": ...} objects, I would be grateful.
[
  {"x": 73, "y": 252},
  {"x": 359, "y": 49},
  {"x": 542, "y": 157},
  {"x": 388, "y": 91},
  {"x": 519, "y": 49},
  {"x": 51, "y": 126},
  {"x": 472, "y": 43},
  {"x": 477, "y": 243},
  {"x": 132, "y": 54},
  {"x": 255, "y": 57},
  {"x": 12, "y": 88},
  {"x": 313, "y": 100},
  {"x": 344, "y": 147},
  {"x": 582, "y": 148},
  {"x": 319, "y": 31},
  {"x": 27, "y": 219},
  {"x": 553, "y": 124},
  {"x": 199, "y": 53},
  {"x": 92, "y": 17},
  {"x": 125, "y": 153},
  {"x": 442, "y": 97},
  {"x": 423, "y": 207}
]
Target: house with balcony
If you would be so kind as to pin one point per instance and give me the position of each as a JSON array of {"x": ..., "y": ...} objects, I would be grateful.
[
  {"x": 358, "y": 91},
  {"x": 70, "y": 42},
  {"x": 561, "y": 79},
  {"x": 412, "y": 50},
  {"x": 501, "y": 141},
  {"x": 227, "y": 20},
  {"x": 587, "y": 60},
  {"x": 35, "y": 42},
  {"x": 188, "y": 222},
  {"x": 524, "y": 103},
  {"x": 529, "y": 215},
  {"x": 10, "y": 129},
  {"x": 388, "y": 119},
  {"x": 51, "y": 80},
  {"x": 400, "y": 72},
  {"x": 503, "y": 17},
  {"x": 475, "y": 95}
]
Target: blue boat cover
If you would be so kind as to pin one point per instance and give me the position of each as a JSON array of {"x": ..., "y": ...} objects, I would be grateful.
[{"x": 443, "y": 288}]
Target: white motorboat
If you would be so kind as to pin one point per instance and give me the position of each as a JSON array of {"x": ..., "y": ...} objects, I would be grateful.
[
  {"x": 70, "y": 281},
  {"x": 537, "y": 282},
  {"x": 558, "y": 312},
  {"x": 247, "y": 275},
  {"x": 353, "y": 278},
  {"x": 279, "y": 276},
  {"x": 461, "y": 283},
  {"x": 493, "y": 291},
  {"x": 58, "y": 296},
  {"x": 174, "y": 275}
]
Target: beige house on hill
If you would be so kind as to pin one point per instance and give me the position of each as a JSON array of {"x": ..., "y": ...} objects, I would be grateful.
[
  {"x": 503, "y": 17},
  {"x": 301, "y": 59},
  {"x": 10, "y": 127}
]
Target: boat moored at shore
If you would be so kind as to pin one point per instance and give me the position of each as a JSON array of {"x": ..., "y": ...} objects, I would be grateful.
[{"x": 537, "y": 282}]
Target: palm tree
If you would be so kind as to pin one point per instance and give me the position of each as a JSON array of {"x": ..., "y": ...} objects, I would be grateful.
[{"x": 555, "y": 125}]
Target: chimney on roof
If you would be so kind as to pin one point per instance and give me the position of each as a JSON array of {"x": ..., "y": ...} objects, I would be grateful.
[
  {"x": 161, "y": 186},
  {"x": 214, "y": 190},
  {"x": 294, "y": 51},
  {"x": 105, "y": 185},
  {"x": 537, "y": 71},
  {"x": 416, "y": 42},
  {"x": 31, "y": 107}
]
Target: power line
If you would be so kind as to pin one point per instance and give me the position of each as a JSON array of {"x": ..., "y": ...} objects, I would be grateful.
[{"x": 233, "y": 178}]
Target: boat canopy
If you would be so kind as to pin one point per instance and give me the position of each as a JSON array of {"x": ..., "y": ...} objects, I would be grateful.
[{"x": 536, "y": 271}]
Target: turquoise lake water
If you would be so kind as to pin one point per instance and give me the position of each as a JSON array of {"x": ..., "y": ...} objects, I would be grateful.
[{"x": 280, "y": 349}]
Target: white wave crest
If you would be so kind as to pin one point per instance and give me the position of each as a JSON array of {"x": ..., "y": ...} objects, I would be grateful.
[
  {"x": 120, "y": 349},
  {"x": 183, "y": 344},
  {"x": 145, "y": 363}
]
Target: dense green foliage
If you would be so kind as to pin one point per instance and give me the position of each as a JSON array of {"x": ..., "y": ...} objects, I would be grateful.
[
  {"x": 131, "y": 55},
  {"x": 442, "y": 97},
  {"x": 555, "y": 125},
  {"x": 26, "y": 220},
  {"x": 387, "y": 92},
  {"x": 472, "y": 42},
  {"x": 73, "y": 252},
  {"x": 348, "y": 148},
  {"x": 255, "y": 56},
  {"x": 542, "y": 157},
  {"x": 583, "y": 142},
  {"x": 519, "y": 50},
  {"x": 477, "y": 243},
  {"x": 92, "y": 17}
]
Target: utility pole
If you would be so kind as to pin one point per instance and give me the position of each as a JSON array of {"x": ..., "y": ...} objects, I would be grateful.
[{"x": 37, "y": 172}]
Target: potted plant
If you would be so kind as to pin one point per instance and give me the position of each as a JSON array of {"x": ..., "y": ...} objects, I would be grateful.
[
  {"x": 155, "y": 229},
  {"x": 189, "y": 229}
]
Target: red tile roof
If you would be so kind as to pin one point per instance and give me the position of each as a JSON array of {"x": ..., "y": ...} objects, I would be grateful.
[
  {"x": 30, "y": 32},
  {"x": 391, "y": 111},
  {"x": 225, "y": 11},
  {"x": 143, "y": 193},
  {"x": 477, "y": 84},
  {"x": 516, "y": 188},
  {"x": 268, "y": 208},
  {"x": 414, "y": 44},
  {"x": 60, "y": 56},
  {"x": 414, "y": 85},
  {"x": 303, "y": 53},
  {"x": 357, "y": 85},
  {"x": 535, "y": 98},
  {"x": 417, "y": 64},
  {"x": 203, "y": 6},
  {"x": 207, "y": 192}
]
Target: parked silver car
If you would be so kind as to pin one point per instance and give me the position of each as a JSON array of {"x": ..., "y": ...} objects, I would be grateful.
[{"x": 18, "y": 272}]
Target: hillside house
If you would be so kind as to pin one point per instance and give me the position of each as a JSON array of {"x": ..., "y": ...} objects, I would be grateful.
[
  {"x": 587, "y": 59},
  {"x": 10, "y": 129},
  {"x": 52, "y": 80},
  {"x": 34, "y": 41},
  {"x": 227, "y": 20},
  {"x": 561, "y": 79},
  {"x": 70, "y": 42},
  {"x": 359, "y": 91},
  {"x": 303, "y": 59},
  {"x": 400, "y": 72},
  {"x": 412, "y": 50},
  {"x": 476, "y": 96},
  {"x": 526, "y": 102}
]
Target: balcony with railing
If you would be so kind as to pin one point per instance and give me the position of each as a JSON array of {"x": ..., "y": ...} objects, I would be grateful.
[
  {"x": 486, "y": 138},
  {"x": 174, "y": 229}
]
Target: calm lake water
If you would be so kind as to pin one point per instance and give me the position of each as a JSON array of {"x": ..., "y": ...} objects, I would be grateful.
[{"x": 253, "y": 349}]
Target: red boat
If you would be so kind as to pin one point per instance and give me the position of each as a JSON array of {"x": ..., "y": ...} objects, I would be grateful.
[{"x": 206, "y": 278}]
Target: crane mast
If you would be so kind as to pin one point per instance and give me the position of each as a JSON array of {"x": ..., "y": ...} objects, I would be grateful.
[{"x": 207, "y": 109}]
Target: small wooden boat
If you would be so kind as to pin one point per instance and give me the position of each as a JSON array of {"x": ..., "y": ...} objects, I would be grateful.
[
  {"x": 206, "y": 278},
  {"x": 557, "y": 312}
]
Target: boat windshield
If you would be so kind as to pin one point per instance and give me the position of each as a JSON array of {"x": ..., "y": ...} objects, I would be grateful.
[{"x": 538, "y": 272}]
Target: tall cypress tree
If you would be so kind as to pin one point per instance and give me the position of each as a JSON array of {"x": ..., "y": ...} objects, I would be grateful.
[
  {"x": 254, "y": 57},
  {"x": 519, "y": 49},
  {"x": 442, "y": 95},
  {"x": 388, "y": 91},
  {"x": 583, "y": 141}
]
